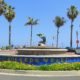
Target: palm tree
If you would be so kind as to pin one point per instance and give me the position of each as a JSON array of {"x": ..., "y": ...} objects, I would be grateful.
[
  {"x": 1, "y": 7},
  {"x": 31, "y": 22},
  {"x": 1, "y": 10},
  {"x": 1, "y": 2},
  {"x": 72, "y": 13},
  {"x": 58, "y": 22},
  {"x": 9, "y": 15}
]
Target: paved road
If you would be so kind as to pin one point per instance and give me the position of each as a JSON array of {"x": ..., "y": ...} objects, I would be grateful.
[{"x": 37, "y": 77}]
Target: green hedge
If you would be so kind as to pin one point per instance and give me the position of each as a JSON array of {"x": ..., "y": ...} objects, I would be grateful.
[
  {"x": 52, "y": 67},
  {"x": 16, "y": 66},
  {"x": 61, "y": 67}
]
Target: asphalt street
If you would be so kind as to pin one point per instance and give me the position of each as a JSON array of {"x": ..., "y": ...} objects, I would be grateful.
[{"x": 34, "y": 77}]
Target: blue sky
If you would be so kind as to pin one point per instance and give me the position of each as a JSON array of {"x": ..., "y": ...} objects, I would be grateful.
[{"x": 45, "y": 11}]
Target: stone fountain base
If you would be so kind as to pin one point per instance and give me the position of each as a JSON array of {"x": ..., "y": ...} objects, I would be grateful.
[{"x": 41, "y": 51}]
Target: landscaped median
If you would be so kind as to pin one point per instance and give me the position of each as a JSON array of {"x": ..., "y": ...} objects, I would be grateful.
[{"x": 52, "y": 67}]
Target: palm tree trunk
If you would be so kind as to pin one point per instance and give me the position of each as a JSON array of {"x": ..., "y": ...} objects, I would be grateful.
[
  {"x": 9, "y": 33},
  {"x": 71, "y": 36},
  {"x": 57, "y": 37},
  {"x": 77, "y": 42},
  {"x": 31, "y": 37}
]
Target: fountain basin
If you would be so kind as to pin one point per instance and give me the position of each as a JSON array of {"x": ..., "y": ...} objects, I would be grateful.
[
  {"x": 40, "y": 56},
  {"x": 41, "y": 59},
  {"x": 41, "y": 51}
]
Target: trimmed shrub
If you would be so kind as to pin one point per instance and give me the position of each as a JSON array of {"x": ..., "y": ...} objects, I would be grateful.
[
  {"x": 52, "y": 67},
  {"x": 16, "y": 66},
  {"x": 61, "y": 67}
]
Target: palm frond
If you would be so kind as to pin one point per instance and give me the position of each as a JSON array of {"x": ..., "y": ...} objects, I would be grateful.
[
  {"x": 72, "y": 12},
  {"x": 59, "y": 21},
  {"x": 31, "y": 21}
]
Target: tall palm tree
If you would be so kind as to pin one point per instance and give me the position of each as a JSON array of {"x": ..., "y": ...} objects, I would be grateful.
[
  {"x": 58, "y": 22},
  {"x": 9, "y": 15},
  {"x": 72, "y": 13},
  {"x": 31, "y": 22}
]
